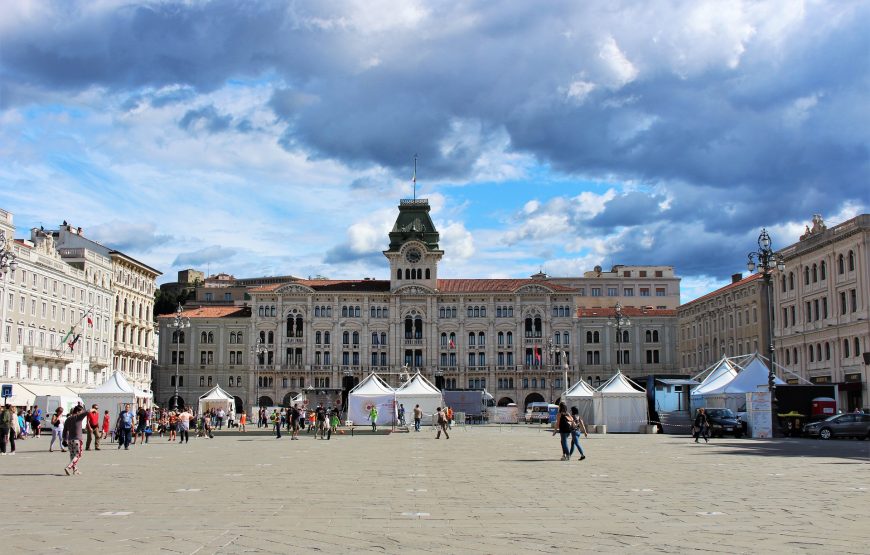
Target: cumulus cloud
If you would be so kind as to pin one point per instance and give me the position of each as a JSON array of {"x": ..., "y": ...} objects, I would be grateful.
[
  {"x": 130, "y": 237},
  {"x": 716, "y": 120}
]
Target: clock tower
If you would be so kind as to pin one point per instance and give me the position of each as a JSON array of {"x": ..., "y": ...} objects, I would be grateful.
[{"x": 413, "y": 252}]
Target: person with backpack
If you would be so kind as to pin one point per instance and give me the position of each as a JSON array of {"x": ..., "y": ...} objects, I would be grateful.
[
  {"x": 124, "y": 425},
  {"x": 564, "y": 427},
  {"x": 72, "y": 436},
  {"x": 702, "y": 426},
  {"x": 57, "y": 422},
  {"x": 579, "y": 426},
  {"x": 441, "y": 420}
]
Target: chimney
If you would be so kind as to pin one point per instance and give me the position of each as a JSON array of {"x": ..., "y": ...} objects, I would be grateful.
[
  {"x": 736, "y": 277},
  {"x": 79, "y": 231}
]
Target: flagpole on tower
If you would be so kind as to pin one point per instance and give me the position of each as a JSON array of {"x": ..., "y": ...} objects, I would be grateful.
[{"x": 414, "y": 178}]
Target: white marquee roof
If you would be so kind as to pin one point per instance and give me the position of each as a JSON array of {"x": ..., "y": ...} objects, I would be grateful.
[
  {"x": 372, "y": 385},
  {"x": 216, "y": 394},
  {"x": 418, "y": 385},
  {"x": 619, "y": 384},
  {"x": 580, "y": 389},
  {"x": 751, "y": 378},
  {"x": 722, "y": 373}
]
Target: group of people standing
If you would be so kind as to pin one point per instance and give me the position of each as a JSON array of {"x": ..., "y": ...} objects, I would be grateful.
[{"x": 321, "y": 421}]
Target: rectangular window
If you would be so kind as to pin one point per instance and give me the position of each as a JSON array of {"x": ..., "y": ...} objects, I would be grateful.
[
  {"x": 628, "y": 292},
  {"x": 853, "y": 295},
  {"x": 644, "y": 291},
  {"x": 596, "y": 292},
  {"x": 612, "y": 291},
  {"x": 660, "y": 291},
  {"x": 824, "y": 307},
  {"x": 808, "y": 315},
  {"x": 842, "y": 302},
  {"x": 582, "y": 292}
]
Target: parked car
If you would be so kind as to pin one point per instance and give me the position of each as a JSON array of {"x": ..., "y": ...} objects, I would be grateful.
[
  {"x": 840, "y": 425},
  {"x": 724, "y": 422}
]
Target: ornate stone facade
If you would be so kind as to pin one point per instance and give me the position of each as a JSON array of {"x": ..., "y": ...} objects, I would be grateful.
[{"x": 461, "y": 333}]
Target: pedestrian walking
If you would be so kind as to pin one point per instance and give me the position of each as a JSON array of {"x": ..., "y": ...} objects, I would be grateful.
[
  {"x": 93, "y": 428},
  {"x": 124, "y": 427},
  {"x": 243, "y": 419},
  {"x": 7, "y": 416},
  {"x": 184, "y": 426},
  {"x": 320, "y": 413},
  {"x": 701, "y": 428},
  {"x": 373, "y": 417},
  {"x": 402, "y": 415},
  {"x": 418, "y": 417},
  {"x": 276, "y": 422},
  {"x": 105, "y": 424},
  {"x": 564, "y": 426},
  {"x": 579, "y": 426},
  {"x": 36, "y": 419},
  {"x": 141, "y": 421},
  {"x": 72, "y": 436},
  {"x": 57, "y": 422},
  {"x": 441, "y": 420}
]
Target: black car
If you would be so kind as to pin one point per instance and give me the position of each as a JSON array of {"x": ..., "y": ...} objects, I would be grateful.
[
  {"x": 724, "y": 422},
  {"x": 841, "y": 425}
]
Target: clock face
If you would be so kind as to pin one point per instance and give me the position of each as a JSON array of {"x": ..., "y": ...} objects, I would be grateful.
[{"x": 413, "y": 255}]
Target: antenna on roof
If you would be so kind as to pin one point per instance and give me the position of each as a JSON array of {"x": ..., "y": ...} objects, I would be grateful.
[{"x": 414, "y": 177}]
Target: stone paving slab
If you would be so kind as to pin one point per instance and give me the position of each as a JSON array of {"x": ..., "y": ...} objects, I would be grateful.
[{"x": 486, "y": 490}]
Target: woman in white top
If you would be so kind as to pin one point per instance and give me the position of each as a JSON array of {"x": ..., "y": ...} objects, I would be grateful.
[{"x": 57, "y": 420}]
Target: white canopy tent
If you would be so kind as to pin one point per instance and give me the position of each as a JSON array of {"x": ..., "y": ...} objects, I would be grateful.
[
  {"x": 419, "y": 391},
  {"x": 732, "y": 395},
  {"x": 723, "y": 372},
  {"x": 581, "y": 395},
  {"x": 372, "y": 391},
  {"x": 619, "y": 405},
  {"x": 216, "y": 398},
  {"x": 113, "y": 394}
]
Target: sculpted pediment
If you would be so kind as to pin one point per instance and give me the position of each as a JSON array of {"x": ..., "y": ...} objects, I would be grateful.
[
  {"x": 414, "y": 290},
  {"x": 292, "y": 288},
  {"x": 534, "y": 289}
]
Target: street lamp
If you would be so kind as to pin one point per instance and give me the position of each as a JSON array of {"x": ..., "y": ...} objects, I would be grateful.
[
  {"x": 553, "y": 350},
  {"x": 178, "y": 323},
  {"x": 765, "y": 260},
  {"x": 256, "y": 352},
  {"x": 7, "y": 258},
  {"x": 619, "y": 322}
]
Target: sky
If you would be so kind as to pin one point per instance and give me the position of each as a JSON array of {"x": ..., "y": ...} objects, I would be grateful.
[{"x": 275, "y": 138}]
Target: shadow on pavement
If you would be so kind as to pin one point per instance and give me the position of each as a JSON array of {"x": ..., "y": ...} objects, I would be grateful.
[{"x": 858, "y": 450}]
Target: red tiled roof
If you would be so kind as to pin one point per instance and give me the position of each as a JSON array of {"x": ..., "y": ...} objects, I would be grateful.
[
  {"x": 495, "y": 285},
  {"x": 629, "y": 311},
  {"x": 213, "y": 312},
  {"x": 743, "y": 281},
  {"x": 330, "y": 285}
]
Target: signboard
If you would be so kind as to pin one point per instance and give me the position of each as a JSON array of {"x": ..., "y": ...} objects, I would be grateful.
[
  {"x": 7, "y": 390},
  {"x": 759, "y": 409}
]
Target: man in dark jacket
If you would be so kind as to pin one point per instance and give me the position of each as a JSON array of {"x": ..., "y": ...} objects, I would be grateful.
[{"x": 72, "y": 435}]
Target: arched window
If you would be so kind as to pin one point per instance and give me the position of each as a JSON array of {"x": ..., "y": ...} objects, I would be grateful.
[
  {"x": 203, "y": 337},
  {"x": 374, "y": 338},
  {"x": 810, "y": 352},
  {"x": 317, "y": 337},
  {"x": 471, "y": 339},
  {"x": 356, "y": 312},
  {"x": 344, "y": 312},
  {"x": 428, "y": 275},
  {"x": 567, "y": 338},
  {"x": 500, "y": 338},
  {"x": 625, "y": 337},
  {"x": 648, "y": 336},
  {"x": 443, "y": 339},
  {"x": 356, "y": 338},
  {"x": 299, "y": 326},
  {"x": 383, "y": 338},
  {"x": 807, "y": 275},
  {"x": 846, "y": 348},
  {"x": 851, "y": 261},
  {"x": 232, "y": 337},
  {"x": 345, "y": 338},
  {"x": 588, "y": 337},
  {"x": 815, "y": 273},
  {"x": 372, "y": 312},
  {"x": 483, "y": 312},
  {"x": 655, "y": 336},
  {"x": 481, "y": 339},
  {"x": 596, "y": 337},
  {"x": 399, "y": 273},
  {"x": 857, "y": 349},
  {"x": 827, "y": 351},
  {"x": 823, "y": 268},
  {"x": 557, "y": 338},
  {"x": 231, "y": 381},
  {"x": 819, "y": 352},
  {"x": 326, "y": 338},
  {"x": 841, "y": 265},
  {"x": 210, "y": 337},
  {"x": 510, "y": 338},
  {"x": 791, "y": 281},
  {"x": 407, "y": 273},
  {"x": 239, "y": 338},
  {"x": 271, "y": 337},
  {"x": 783, "y": 284}
]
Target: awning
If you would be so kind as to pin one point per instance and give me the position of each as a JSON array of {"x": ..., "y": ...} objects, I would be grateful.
[
  {"x": 50, "y": 389},
  {"x": 21, "y": 396},
  {"x": 675, "y": 381}
]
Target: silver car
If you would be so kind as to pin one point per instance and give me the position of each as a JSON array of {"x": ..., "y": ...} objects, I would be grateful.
[{"x": 840, "y": 425}]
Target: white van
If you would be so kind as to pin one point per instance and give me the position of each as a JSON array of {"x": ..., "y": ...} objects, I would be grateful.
[{"x": 541, "y": 413}]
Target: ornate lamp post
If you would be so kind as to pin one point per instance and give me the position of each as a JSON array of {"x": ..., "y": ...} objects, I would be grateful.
[
  {"x": 553, "y": 350},
  {"x": 256, "y": 352},
  {"x": 765, "y": 260},
  {"x": 178, "y": 323},
  {"x": 620, "y": 321},
  {"x": 7, "y": 258}
]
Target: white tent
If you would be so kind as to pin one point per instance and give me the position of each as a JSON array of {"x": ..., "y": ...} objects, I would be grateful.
[
  {"x": 723, "y": 372},
  {"x": 419, "y": 391},
  {"x": 580, "y": 395},
  {"x": 732, "y": 395},
  {"x": 372, "y": 391},
  {"x": 619, "y": 405},
  {"x": 113, "y": 394},
  {"x": 216, "y": 398}
]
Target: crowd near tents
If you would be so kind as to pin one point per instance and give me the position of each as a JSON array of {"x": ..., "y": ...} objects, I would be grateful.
[
  {"x": 114, "y": 394},
  {"x": 216, "y": 399}
]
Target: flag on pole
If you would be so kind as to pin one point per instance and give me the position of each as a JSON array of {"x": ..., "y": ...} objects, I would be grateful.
[
  {"x": 90, "y": 322},
  {"x": 537, "y": 354},
  {"x": 452, "y": 345},
  {"x": 72, "y": 343},
  {"x": 67, "y": 336}
]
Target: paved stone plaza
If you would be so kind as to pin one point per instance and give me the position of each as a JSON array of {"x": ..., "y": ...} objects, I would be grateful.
[{"x": 486, "y": 490}]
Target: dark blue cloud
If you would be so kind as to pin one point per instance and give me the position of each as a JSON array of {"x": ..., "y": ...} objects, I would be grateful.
[{"x": 207, "y": 118}]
